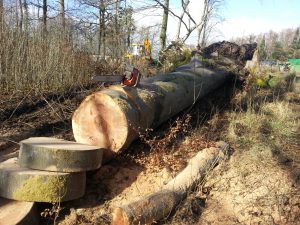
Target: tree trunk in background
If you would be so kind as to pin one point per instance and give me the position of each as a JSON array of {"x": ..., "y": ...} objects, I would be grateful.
[
  {"x": 45, "y": 16},
  {"x": 102, "y": 29},
  {"x": 62, "y": 14},
  {"x": 1, "y": 16},
  {"x": 21, "y": 15},
  {"x": 184, "y": 5},
  {"x": 26, "y": 15},
  {"x": 164, "y": 25},
  {"x": 204, "y": 20},
  {"x": 38, "y": 10}
]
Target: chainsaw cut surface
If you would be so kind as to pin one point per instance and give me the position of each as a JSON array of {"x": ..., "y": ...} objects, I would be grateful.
[
  {"x": 39, "y": 186},
  {"x": 53, "y": 154},
  {"x": 17, "y": 212}
]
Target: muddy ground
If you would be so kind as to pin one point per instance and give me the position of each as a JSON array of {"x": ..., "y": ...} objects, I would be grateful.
[{"x": 226, "y": 196}]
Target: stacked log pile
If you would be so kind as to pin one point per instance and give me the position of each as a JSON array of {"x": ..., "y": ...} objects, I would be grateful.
[{"x": 47, "y": 170}]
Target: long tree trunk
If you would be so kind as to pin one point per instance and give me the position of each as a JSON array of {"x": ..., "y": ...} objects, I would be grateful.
[
  {"x": 114, "y": 117},
  {"x": 163, "y": 32}
]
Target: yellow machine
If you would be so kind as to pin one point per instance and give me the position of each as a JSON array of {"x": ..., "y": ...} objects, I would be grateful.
[{"x": 140, "y": 51}]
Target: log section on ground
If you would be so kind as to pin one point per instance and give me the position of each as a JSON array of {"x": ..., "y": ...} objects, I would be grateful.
[
  {"x": 114, "y": 117},
  {"x": 51, "y": 154},
  {"x": 39, "y": 186},
  {"x": 160, "y": 204},
  {"x": 17, "y": 212}
]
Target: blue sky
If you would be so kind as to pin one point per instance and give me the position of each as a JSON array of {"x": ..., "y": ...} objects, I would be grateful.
[
  {"x": 244, "y": 17},
  {"x": 268, "y": 9}
]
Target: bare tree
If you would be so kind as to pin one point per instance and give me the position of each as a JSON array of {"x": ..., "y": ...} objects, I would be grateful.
[
  {"x": 163, "y": 32},
  {"x": 45, "y": 16},
  {"x": 184, "y": 4},
  {"x": 1, "y": 16},
  {"x": 21, "y": 15},
  {"x": 62, "y": 14},
  {"x": 210, "y": 10},
  {"x": 102, "y": 9}
]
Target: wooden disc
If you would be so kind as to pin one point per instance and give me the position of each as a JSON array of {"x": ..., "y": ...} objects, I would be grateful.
[
  {"x": 17, "y": 212},
  {"x": 51, "y": 154},
  {"x": 39, "y": 186}
]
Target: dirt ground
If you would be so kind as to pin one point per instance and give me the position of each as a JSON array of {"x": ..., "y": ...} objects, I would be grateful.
[{"x": 265, "y": 191}]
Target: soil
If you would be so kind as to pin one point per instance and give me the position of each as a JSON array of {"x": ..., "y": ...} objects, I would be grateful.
[{"x": 267, "y": 194}]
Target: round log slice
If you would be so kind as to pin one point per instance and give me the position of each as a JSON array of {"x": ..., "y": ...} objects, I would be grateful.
[
  {"x": 51, "y": 154},
  {"x": 25, "y": 184},
  {"x": 18, "y": 212}
]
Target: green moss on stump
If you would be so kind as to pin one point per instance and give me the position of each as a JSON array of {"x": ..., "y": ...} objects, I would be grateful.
[{"x": 49, "y": 189}]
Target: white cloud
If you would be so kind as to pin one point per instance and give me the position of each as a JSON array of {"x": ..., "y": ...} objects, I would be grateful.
[{"x": 244, "y": 26}]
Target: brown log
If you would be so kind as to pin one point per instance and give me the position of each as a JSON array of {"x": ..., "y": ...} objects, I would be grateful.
[
  {"x": 114, "y": 117},
  {"x": 160, "y": 204}
]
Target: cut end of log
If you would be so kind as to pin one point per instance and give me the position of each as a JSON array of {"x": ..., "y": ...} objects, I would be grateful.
[
  {"x": 119, "y": 217},
  {"x": 17, "y": 212},
  {"x": 100, "y": 121}
]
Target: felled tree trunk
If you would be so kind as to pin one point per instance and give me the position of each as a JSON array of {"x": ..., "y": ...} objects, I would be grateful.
[
  {"x": 114, "y": 117},
  {"x": 160, "y": 204}
]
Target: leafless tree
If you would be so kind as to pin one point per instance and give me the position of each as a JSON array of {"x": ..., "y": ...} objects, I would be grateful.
[
  {"x": 1, "y": 15},
  {"x": 45, "y": 15},
  {"x": 163, "y": 32},
  {"x": 62, "y": 14}
]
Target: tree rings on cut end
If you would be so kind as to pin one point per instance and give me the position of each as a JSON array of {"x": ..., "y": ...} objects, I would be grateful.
[
  {"x": 101, "y": 120},
  {"x": 24, "y": 184},
  {"x": 17, "y": 212},
  {"x": 51, "y": 154}
]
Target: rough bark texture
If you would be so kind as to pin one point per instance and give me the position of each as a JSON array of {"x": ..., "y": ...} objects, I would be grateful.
[
  {"x": 114, "y": 117},
  {"x": 160, "y": 204}
]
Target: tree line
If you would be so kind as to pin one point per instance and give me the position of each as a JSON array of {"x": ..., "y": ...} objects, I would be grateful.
[
  {"x": 276, "y": 45},
  {"x": 47, "y": 44}
]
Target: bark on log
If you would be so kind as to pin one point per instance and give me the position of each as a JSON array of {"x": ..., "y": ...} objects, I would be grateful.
[
  {"x": 113, "y": 118},
  {"x": 160, "y": 204}
]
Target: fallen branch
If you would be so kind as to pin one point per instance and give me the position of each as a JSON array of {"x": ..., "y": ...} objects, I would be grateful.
[{"x": 160, "y": 204}]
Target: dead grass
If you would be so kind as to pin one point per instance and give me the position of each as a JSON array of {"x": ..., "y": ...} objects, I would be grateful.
[{"x": 257, "y": 186}]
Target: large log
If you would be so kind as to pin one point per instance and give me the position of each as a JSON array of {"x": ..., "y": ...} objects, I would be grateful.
[
  {"x": 114, "y": 117},
  {"x": 159, "y": 205}
]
